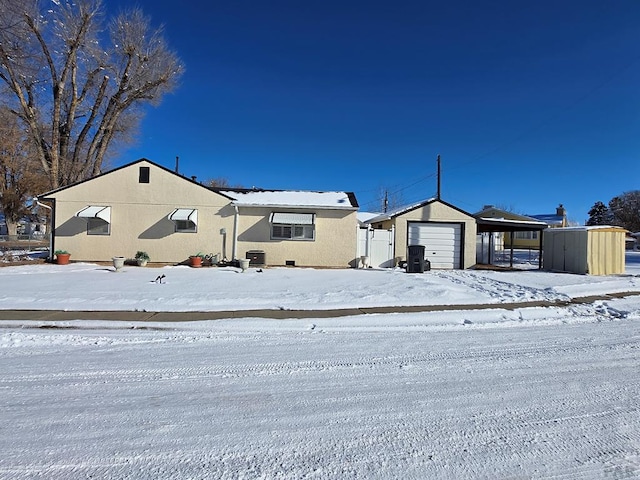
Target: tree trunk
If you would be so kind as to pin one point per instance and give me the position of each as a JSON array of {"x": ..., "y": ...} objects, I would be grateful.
[{"x": 12, "y": 227}]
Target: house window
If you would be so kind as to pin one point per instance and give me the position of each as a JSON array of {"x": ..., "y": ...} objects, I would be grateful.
[
  {"x": 185, "y": 226},
  {"x": 185, "y": 220},
  {"x": 143, "y": 176},
  {"x": 98, "y": 219},
  {"x": 292, "y": 226},
  {"x": 526, "y": 235},
  {"x": 97, "y": 226}
]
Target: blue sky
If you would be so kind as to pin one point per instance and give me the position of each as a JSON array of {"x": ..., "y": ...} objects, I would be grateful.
[{"x": 529, "y": 104}]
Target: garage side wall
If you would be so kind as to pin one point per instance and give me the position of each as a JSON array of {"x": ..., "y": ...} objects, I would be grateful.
[
  {"x": 438, "y": 212},
  {"x": 139, "y": 214}
]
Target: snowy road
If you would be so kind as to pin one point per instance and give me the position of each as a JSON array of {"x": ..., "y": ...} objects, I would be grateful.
[{"x": 388, "y": 396}]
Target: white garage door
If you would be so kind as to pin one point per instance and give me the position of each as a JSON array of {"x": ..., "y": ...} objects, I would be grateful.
[{"x": 442, "y": 242}]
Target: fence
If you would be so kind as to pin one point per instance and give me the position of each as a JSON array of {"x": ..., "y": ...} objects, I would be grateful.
[{"x": 24, "y": 242}]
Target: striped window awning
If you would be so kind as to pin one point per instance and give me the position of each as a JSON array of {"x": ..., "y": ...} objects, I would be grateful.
[
  {"x": 185, "y": 214},
  {"x": 93, "y": 211},
  {"x": 293, "y": 218}
]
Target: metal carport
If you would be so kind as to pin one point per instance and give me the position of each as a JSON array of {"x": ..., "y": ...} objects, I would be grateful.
[{"x": 490, "y": 225}]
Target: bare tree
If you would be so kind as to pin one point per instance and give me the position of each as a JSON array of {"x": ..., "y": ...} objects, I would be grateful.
[
  {"x": 388, "y": 200},
  {"x": 78, "y": 86},
  {"x": 20, "y": 172},
  {"x": 221, "y": 182}
]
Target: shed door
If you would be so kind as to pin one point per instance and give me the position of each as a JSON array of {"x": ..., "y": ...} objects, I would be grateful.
[{"x": 442, "y": 242}]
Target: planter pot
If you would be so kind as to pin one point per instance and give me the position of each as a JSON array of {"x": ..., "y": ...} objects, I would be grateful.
[
  {"x": 196, "y": 261},
  {"x": 364, "y": 261},
  {"x": 142, "y": 262},
  {"x": 118, "y": 263},
  {"x": 244, "y": 263},
  {"x": 62, "y": 258}
]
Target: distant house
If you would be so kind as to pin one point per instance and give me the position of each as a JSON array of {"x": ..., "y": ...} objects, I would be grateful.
[
  {"x": 528, "y": 239},
  {"x": 447, "y": 233},
  {"x": 29, "y": 226},
  {"x": 144, "y": 206}
]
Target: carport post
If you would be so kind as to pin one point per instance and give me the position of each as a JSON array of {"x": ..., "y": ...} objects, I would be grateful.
[{"x": 511, "y": 241}]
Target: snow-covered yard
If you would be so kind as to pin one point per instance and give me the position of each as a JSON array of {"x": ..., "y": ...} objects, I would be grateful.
[{"x": 539, "y": 392}]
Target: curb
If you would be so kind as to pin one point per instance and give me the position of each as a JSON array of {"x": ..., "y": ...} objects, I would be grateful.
[{"x": 283, "y": 314}]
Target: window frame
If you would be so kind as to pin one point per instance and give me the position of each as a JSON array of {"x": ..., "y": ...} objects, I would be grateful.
[
  {"x": 526, "y": 235},
  {"x": 291, "y": 227},
  {"x": 144, "y": 175}
]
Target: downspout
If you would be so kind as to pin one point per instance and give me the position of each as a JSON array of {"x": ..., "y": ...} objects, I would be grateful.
[
  {"x": 234, "y": 249},
  {"x": 35, "y": 199}
]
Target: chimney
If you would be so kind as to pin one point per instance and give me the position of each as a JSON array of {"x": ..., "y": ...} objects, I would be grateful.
[
  {"x": 560, "y": 211},
  {"x": 193, "y": 177},
  {"x": 177, "y": 162}
]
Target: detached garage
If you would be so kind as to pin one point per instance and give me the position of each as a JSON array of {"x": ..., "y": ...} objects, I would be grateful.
[
  {"x": 447, "y": 233},
  {"x": 442, "y": 242},
  {"x": 596, "y": 250}
]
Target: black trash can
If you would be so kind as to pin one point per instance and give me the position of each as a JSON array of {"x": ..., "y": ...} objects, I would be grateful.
[{"x": 415, "y": 259}]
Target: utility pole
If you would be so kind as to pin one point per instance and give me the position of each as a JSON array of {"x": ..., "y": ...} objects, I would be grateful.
[
  {"x": 385, "y": 205},
  {"x": 438, "y": 194}
]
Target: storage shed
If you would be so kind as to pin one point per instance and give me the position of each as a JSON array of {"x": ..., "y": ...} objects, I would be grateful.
[{"x": 596, "y": 250}]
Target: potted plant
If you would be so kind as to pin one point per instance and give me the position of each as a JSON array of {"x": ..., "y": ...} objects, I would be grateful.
[
  {"x": 62, "y": 257},
  {"x": 196, "y": 260},
  {"x": 142, "y": 258}
]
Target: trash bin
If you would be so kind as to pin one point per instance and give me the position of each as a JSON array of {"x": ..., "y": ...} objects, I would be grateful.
[{"x": 415, "y": 259}]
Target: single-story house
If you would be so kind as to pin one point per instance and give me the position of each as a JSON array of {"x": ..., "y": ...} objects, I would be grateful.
[
  {"x": 143, "y": 206},
  {"x": 447, "y": 233}
]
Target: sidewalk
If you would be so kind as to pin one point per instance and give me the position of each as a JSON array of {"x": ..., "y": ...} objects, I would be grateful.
[{"x": 143, "y": 316}]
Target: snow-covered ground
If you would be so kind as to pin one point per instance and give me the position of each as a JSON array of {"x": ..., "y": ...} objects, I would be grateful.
[{"x": 539, "y": 392}]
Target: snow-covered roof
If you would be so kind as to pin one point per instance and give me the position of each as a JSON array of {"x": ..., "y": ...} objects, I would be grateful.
[
  {"x": 398, "y": 211},
  {"x": 551, "y": 219},
  {"x": 365, "y": 217},
  {"x": 291, "y": 198},
  {"x": 591, "y": 227},
  {"x": 509, "y": 221}
]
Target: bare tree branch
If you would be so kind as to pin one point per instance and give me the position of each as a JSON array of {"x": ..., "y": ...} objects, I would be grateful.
[{"x": 76, "y": 91}]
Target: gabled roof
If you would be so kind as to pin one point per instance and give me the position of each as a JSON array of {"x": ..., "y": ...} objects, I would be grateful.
[
  {"x": 492, "y": 219},
  {"x": 408, "y": 208},
  {"x": 244, "y": 197},
  {"x": 497, "y": 213},
  {"x": 142, "y": 160}
]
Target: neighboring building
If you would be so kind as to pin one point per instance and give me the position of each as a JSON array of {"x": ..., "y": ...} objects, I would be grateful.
[
  {"x": 524, "y": 239},
  {"x": 447, "y": 233},
  {"x": 519, "y": 239},
  {"x": 557, "y": 220},
  {"x": 144, "y": 206},
  {"x": 31, "y": 226}
]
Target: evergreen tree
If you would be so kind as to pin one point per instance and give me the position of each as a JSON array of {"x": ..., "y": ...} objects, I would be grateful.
[{"x": 599, "y": 214}]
